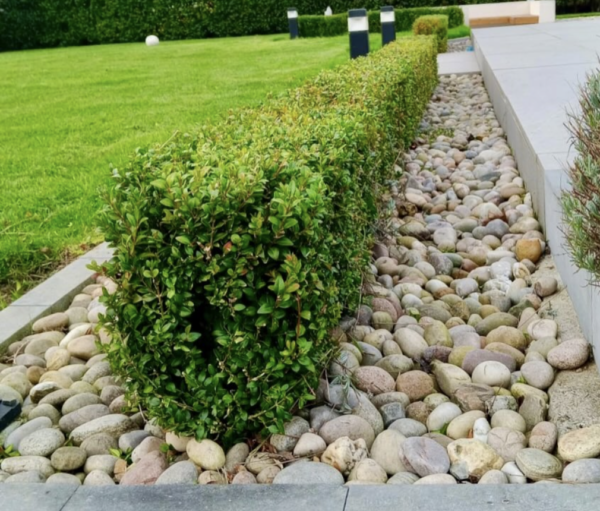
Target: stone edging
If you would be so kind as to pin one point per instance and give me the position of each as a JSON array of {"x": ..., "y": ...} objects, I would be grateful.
[
  {"x": 541, "y": 497},
  {"x": 52, "y": 295}
]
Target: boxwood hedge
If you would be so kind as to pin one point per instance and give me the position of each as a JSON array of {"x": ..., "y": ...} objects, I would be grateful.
[
  {"x": 435, "y": 24},
  {"x": 238, "y": 247}
]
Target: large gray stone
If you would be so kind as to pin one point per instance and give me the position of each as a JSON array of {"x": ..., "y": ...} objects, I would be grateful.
[
  {"x": 582, "y": 471},
  {"x": 25, "y": 430},
  {"x": 309, "y": 473},
  {"x": 575, "y": 399},
  {"x": 114, "y": 425},
  {"x": 183, "y": 472}
]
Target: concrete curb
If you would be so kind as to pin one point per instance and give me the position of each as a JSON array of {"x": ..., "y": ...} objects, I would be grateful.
[
  {"x": 52, "y": 295},
  {"x": 540, "y": 497}
]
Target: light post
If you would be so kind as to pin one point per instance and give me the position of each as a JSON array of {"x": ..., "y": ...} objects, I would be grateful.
[
  {"x": 388, "y": 25},
  {"x": 358, "y": 28},
  {"x": 292, "y": 14}
]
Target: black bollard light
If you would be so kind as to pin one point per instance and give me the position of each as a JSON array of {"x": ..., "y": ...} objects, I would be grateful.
[
  {"x": 358, "y": 27},
  {"x": 388, "y": 25},
  {"x": 9, "y": 411},
  {"x": 292, "y": 14}
]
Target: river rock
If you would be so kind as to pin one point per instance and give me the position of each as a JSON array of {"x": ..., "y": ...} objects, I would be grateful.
[
  {"x": 442, "y": 416},
  {"x": 506, "y": 442},
  {"x": 98, "y": 478},
  {"x": 436, "y": 479},
  {"x": 309, "y": 444},
  {"x": 293, "y": 430},
  {"x": 114, "y": 425},
  {"x": 494, "y": 477},
  {"x": 344, "y": 453},
  {"x": 580, "y": 443},
  {"x": 582, "y": 471},
  {"x": 309, "y": 473},
  {"x": 538, "y": 374},
  {"x": 449, "y": 377},
  {"x": 494, "y": 321},
  {"x": 473, "y": 396},
  {"x": 492, "y": 373},
  {"x": 64, "y": 479},
  {"x": 424, "y": 456},
  {"x": 462, "y": 426},
  {"x": 544, "y": 436},
  {"x": 386, "y": 451},
  {"x": 68, "y": 459},
  {"x": 411, "y": 343},
  {"x": 471, "y": 459},
  {"x": 147, "y": 470},
  {"x": 207, "y": 454},
  {"x": 57, "y": 321},
  {"x": 415, "y": 384},
  {"x": 235, "y": 456},
  {"x": 26, "y": 464},
  {"x": 538, "y": 465},
  {"x": 182, "y": 472},
  {"x": 569, "y": 354},
  {"x": 350, "y": 426},
  {"x": 373, "y": 380},
  {"x": 42, "y": 442},
  {"x": 22, "y": 432}
]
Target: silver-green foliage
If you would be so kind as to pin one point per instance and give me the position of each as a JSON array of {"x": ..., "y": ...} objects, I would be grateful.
[{"x": 581, "y": 203}]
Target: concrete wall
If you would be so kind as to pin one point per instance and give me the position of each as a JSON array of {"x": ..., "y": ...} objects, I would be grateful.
[{"x": 545, "y": 9}]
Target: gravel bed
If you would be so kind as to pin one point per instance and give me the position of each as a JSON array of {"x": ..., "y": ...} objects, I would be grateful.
[
  {"x": 459, "y": 45},
  {"x": 444, "y": 375}
]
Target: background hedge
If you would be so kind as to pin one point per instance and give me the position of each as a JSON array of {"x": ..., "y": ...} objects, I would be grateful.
[
  {"x": 326, "y": 26},
  {"x": 47, "y": 23},
  {"x": 237, "y": 248}
]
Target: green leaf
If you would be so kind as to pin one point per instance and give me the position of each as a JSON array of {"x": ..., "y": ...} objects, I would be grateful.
[{"x": 265, "y": 309}]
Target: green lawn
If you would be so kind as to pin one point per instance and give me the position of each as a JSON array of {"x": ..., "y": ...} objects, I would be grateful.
[
  {"x": 68, "y": 114},
  {"x": 579, "y": 15}
]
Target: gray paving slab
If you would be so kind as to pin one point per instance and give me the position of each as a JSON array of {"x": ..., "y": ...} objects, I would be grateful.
[
  {"x": 457, "y": 63},
  {"x": 35, "y": 497},
  {"x": 209, "y": 498},
  {"x": 539, "y": 497}
]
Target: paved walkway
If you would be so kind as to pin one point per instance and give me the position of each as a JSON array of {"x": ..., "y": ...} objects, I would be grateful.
[
  {"x": 458, "y": 63},
  {"x": 539, "y": 497}
]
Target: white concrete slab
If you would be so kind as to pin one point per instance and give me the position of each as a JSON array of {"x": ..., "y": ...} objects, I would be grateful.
[
  {"x": 457, "y": 63},
  {"x": 533, "y": 74}
]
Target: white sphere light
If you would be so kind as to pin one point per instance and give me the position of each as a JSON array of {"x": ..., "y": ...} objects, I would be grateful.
[{"x": 152, "y": 40}]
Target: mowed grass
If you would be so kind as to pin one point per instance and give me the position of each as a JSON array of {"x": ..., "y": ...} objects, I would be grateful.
[
  {"x": 67, "y": 115},
  {"x": 577, "y": 15}
]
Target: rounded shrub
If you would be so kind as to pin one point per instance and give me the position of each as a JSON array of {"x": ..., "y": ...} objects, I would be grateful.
[
  {"x": 433, "y": 24},
  {"x": 581, "y": 201},
  {"x": 237, "y": 248}
]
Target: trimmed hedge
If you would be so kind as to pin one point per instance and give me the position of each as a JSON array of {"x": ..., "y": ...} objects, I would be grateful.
[
  {"x": 45, "y": 23},
  {"x": 323, "y": 26},
  {"x": 327, "y": 26},
  {"x": 436, "y": 25},
  {"x": 581, "y": 203},
  {"x": 237, "y": 248}
]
